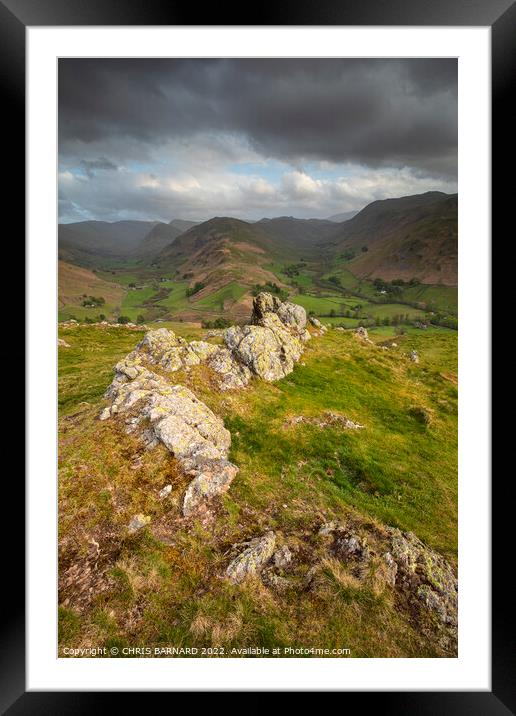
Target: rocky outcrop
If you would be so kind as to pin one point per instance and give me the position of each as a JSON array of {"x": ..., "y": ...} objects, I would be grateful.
[
  {"x": 422, "y": 583},
  {"x": 252, "y": 559},
  {"x": 423, "y": 580},
  {"x": 362, "y": 333},
  {"x": 233, "y": 374},
  {"x": 163, "y": 348},
  {"x": 269, "y": 351},
  {"x": 174, "y": 416},
  {"x": 327, "y": 419},
  {"x": 316, "y": 323},
  {"x": 171, "y": 414},
  {"x": 290, "y": 314},
  {"x": 212, "y": 477},
  {"x": 273, "y": 343},
  {"x": 268, "y": 347},
  {"x": 424, "y": 575}
]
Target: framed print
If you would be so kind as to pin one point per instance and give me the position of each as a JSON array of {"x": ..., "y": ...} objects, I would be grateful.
[{"x": 258, "y": 368}]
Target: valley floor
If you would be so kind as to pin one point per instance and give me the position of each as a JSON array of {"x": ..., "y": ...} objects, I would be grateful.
[{"x": 162, "y": 586}]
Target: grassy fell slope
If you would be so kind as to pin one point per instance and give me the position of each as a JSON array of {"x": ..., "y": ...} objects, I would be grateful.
[
  {"x": 159, "y": 236},
  {"x": 219, "y": 253},
  {"x": 410, "y": 237},
  {"x": 296, "y": 238},
  {"x": 76, "y": 282},
  {"x": 162, "y": 586}
]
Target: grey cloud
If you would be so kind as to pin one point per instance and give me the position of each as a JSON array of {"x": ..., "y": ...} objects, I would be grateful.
[
  {"x": 373, "y": 112},
  {"x": 91, "y": 166}
]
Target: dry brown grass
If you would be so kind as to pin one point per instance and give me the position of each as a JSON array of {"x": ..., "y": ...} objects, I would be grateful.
[{"x": 75, "y": 281}]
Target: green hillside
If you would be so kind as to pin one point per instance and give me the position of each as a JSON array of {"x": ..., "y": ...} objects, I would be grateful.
[{"x": 163, "y": 587}]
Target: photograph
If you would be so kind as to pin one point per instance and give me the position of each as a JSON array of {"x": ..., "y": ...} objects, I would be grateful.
[{"x": 257, "y": 320}]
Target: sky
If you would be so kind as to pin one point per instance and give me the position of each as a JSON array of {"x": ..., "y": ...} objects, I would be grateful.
[{"x": 163, "y": 139}]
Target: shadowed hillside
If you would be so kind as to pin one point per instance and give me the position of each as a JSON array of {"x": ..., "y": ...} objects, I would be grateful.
[
  {"x": 410, "y": 237},
  {"x": 88, "y": 242},
  {"x": 297, "y": 236}
]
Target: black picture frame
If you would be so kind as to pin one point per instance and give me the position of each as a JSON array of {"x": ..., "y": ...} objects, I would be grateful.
[{"x": 500, "y": 15}]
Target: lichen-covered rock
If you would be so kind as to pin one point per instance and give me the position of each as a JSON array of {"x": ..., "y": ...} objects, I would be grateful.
[
  {"x": 213, "y": 477},
  {"x": 424, "y": 575},
  {"x": 349, "y": 546},
  {"x": 391, "y": 568},
  {"x": 282, "y": 557},
  {"x": 163, "y": 348},
  {"x": 185, "y": 425},
  {"x": 414, "y": 356},
  {"x": 202, "y": 349},
  {"x": 268, "y": 347},
  {"x": 137, "y": 522},
  {"x": 105, "y": 414},
  {"x": 292, "y": 315},
  {"x": 233, "y": 373},
  {"x": 316, "y": 323},
  {"x": 269, "y": 351},
  {"x": 157, "y": 342},
  {"x": 264, "y": 303},
  {"x": 252, "y": 559},
  {"x": 422, "y": 578}
]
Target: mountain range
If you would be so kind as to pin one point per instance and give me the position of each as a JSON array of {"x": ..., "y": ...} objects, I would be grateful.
[{"x": 408, "y": 238}]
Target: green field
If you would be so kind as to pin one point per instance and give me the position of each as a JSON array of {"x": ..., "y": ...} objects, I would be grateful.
[
  {"x": 322, "y": 305},
  {"x": 392, "y": 309},
  {"x": 80, "y": 313},
  {"x": 215, "y": 301},
  {"x": 440, "y": 298},
  {"x": 133, "y": 303},
  {"x": 443, "y": 298},
  {"x": 176, "y": 299}
]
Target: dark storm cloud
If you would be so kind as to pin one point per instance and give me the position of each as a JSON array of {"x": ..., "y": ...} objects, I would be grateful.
[
  {"x": 371, "y": 112},
  {"x": 91, "y": 167}
]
